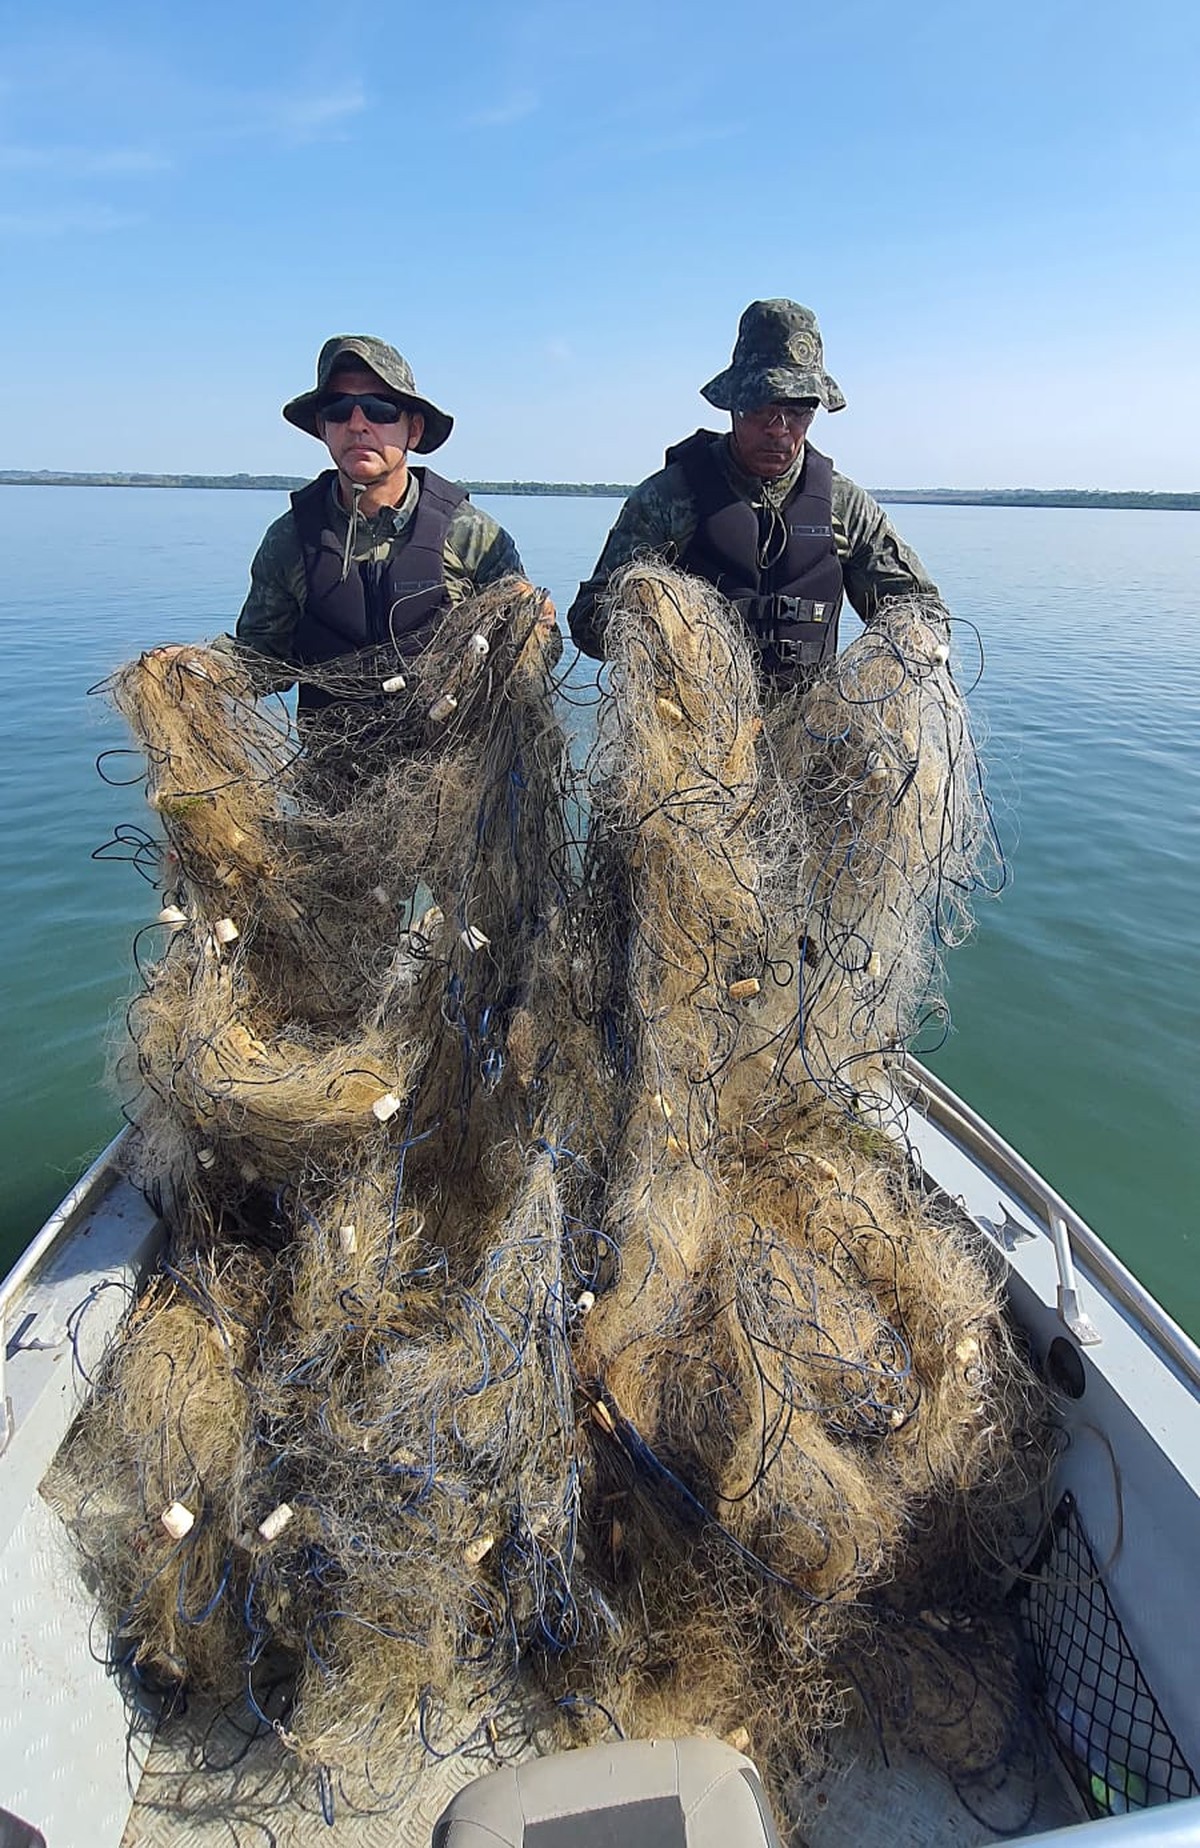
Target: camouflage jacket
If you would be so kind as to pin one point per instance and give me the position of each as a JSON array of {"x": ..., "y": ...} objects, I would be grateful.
[
  {"x": 660, "y": 517},
  {"x": 477, "y": 552}
]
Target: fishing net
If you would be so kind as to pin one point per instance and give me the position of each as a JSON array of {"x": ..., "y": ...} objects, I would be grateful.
[{"x": 554, "y": 1337}]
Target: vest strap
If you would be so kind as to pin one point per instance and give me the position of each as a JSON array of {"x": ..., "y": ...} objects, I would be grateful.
[{"x": 388, "y": 605}]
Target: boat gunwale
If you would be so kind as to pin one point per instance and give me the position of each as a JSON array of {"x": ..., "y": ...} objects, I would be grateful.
[
  {"x": 985, "y": 1145},
  {"x": 60, "y": 1222}
]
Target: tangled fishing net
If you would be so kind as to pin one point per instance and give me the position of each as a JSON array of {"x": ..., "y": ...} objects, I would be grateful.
[{"x": 554, "y": 1336}]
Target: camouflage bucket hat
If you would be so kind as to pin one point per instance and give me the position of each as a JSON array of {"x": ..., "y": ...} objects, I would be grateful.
[
  {"x": 778, "y": 355},
  {"x": 392, "y": 368}
]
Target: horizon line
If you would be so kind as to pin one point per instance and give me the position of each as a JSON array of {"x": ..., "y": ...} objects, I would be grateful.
[{"x": 1167, "y": 499}]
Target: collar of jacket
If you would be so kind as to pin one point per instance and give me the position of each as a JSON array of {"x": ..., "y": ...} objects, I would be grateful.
[
  {"x": 753, "y": 488},
  {"x": 374, "y": 529}
]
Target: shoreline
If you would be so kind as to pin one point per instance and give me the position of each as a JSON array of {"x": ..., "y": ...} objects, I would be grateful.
[{"x": 1119, "y": 499}]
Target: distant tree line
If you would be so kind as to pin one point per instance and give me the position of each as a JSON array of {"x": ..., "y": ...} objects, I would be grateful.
[
  {"x": 617, "y": 490},
  {"x": 53, "y": 478},
  {"x": 1041, "y": 497},
  {"x": 947, "y": 497}
]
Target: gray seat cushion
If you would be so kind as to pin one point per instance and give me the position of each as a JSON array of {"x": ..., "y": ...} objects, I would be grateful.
[{"x": 646, "y": 1793}]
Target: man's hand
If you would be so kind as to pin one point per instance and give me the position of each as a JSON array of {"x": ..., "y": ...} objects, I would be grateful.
[{"x": 547, "y": 614}]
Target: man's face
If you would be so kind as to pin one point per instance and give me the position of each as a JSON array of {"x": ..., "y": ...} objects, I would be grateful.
[
  {"x": 363, "y": 450},
  {"x": 767, "y": 440}
]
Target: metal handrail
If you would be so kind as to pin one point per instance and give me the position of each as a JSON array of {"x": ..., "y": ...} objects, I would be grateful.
[
  {"x": 58, "y": 1223},
  {"x": 35, "y": 1255},
  {"x": 947, "y": 1110}
]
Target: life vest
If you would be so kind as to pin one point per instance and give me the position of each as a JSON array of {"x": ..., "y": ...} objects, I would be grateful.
[
  {"x": 378, "y": 604},
  {"x": 790, "y": 606}
]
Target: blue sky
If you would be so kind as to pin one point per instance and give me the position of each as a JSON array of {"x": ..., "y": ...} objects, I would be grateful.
[{"x": 558, "y": 211}]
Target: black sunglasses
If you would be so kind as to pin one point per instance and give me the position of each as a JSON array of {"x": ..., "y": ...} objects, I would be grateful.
[{"x": 376, "y": 410}]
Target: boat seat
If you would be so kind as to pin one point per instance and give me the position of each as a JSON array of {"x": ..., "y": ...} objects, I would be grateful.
[
  {"x": 17, "y": 1834},
  {"x": 645, "y": 1793}
]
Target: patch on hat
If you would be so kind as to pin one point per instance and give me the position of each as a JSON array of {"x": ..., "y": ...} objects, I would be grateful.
[{"x": 804, "y": 349}]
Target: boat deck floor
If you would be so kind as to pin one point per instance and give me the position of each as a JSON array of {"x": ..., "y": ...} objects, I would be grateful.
[{"x": 853, "y": 1800}]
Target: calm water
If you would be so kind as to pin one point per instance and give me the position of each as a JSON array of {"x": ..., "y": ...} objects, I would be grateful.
[{"x": 1076, "y": 1005}]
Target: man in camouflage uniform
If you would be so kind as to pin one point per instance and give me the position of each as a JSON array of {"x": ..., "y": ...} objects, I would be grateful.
[
  {"x": 373, "y": 550},
  {"x": 762, "y": 514}
]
